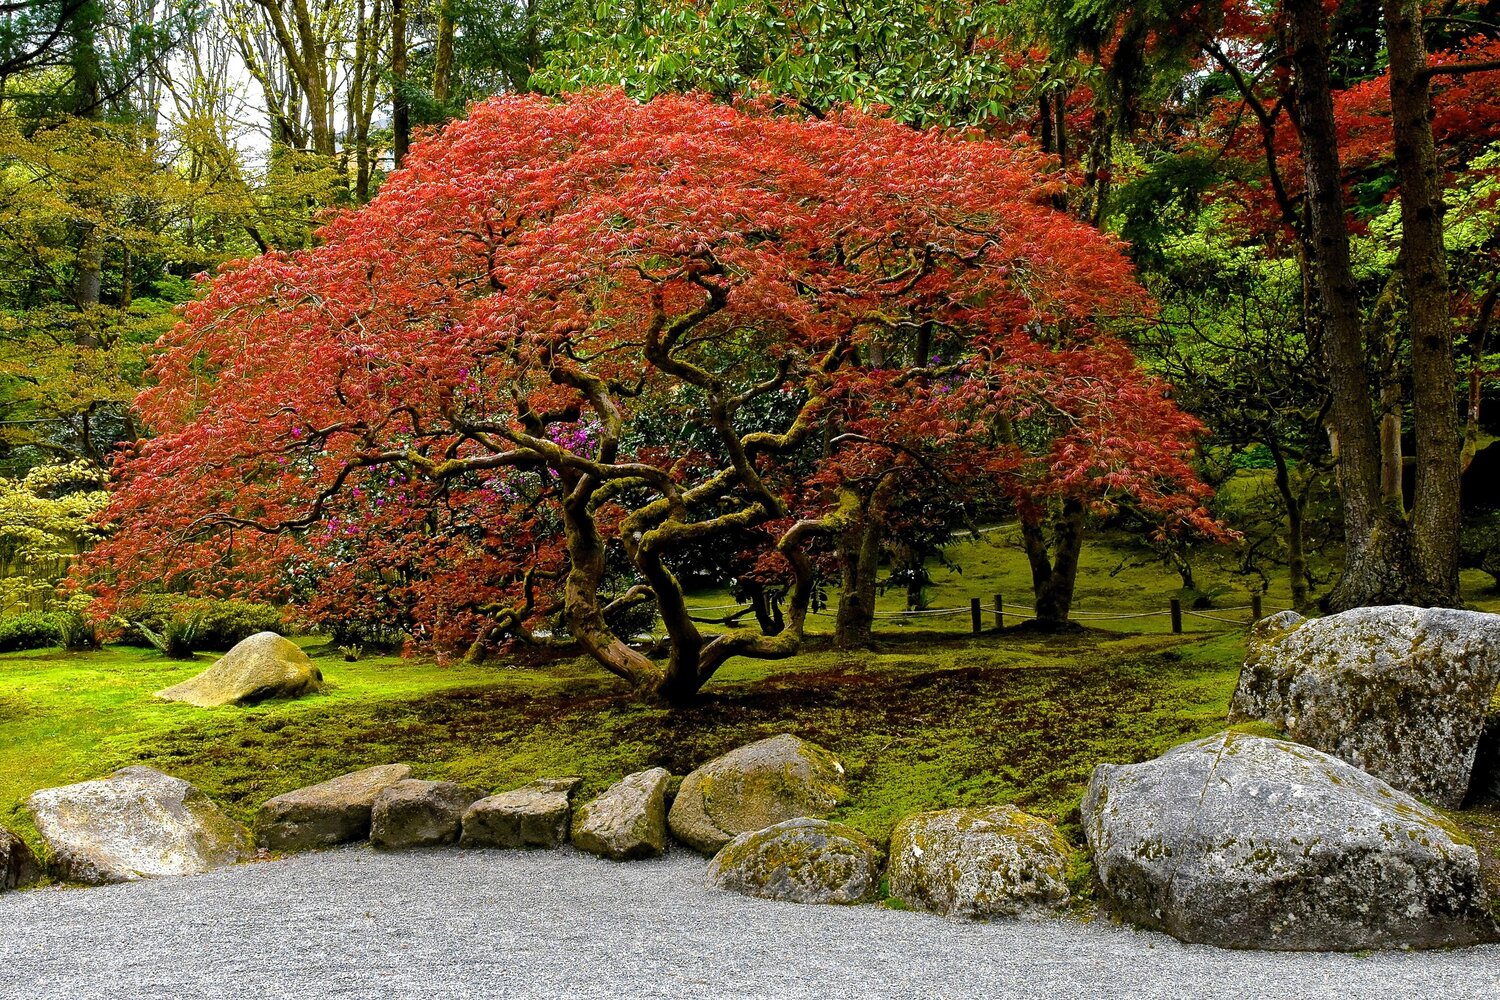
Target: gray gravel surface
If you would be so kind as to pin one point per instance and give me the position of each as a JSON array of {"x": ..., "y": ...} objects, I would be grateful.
[{"x": 498, "y": 925}]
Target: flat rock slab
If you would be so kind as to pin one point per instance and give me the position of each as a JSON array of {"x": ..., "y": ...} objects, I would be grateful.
[
  {"x": 137, "y": 823},
  {"x": 629, "y": 820},
  {"x": 799, "y": 861},
  {"x": 991, "y": 861},
  {"x": 756, "y": 786},
  {"x": 414, "y": 813},
  {"x": 18, "y": 866},
  {"x": 534, "y": 815},
  {"x": 1400, "y": 692},
  {"x": 1246, "y": 842},
  {"x": 335, "y": 811},
  {"x": 259, "y": 668}
]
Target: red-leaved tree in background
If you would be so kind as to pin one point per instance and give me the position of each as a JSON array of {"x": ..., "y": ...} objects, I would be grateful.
[{"x": 573, "y": 339}]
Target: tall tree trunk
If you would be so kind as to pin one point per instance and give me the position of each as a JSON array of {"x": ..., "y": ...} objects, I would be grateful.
[
  {"x": 1296, "y": 532},
  {"x": 442, "y": 64},
  {"x": 1478, "y": 334},
  {"x": 86, "y": 100},
  {"x": 1377, "y": 562},
  {"x": 1096, "y": 179},
  {"x": 1062, "y": 128},
  {"x": 859, "y": 564},
  {"x": 358, "y": 137},
  {"x": 1054, "y": 567},
  {"x": 400, "y": 110},
  {"x": 1424, "y": 269}
]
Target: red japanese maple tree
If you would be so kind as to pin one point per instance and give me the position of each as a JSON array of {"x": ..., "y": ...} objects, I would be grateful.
[{"x": 579, "y": 334}]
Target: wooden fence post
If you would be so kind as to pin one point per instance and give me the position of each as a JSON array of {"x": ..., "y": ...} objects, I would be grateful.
[
  {"x": 1255, "y": 614},
  {"x": 999, "y": 612},
  {"x": 975, "y": 614},
  {"x": 1176, "y": 616}
]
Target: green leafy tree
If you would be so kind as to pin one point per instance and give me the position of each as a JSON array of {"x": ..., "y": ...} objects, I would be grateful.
[
  {"x": 47, "y": 518},
  {"x": 931, "y": 63}
]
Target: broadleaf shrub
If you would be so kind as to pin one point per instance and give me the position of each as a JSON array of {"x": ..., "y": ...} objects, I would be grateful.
[
  {"x": 32, "y": 630},
  {"x": 203, "y": 622}
]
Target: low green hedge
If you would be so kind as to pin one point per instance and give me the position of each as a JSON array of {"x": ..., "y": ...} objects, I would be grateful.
[{"x": 31, "y": 630}]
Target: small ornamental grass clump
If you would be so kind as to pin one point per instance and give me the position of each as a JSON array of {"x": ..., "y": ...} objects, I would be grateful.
[{"x": 574, "y": 340}]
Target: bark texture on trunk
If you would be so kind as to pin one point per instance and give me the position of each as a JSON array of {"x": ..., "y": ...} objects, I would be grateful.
[
  {"x": 1384, "y": 562},
  {"x": 859, "y": 568},
  {"x": 442, "y": 64},
  {"x": 400, "y": 107},
  {"x": 1054, "y": 566},
  {"x": 1424, "y": 268}
]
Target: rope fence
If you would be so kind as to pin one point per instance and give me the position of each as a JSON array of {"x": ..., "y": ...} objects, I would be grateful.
[{"x": 1000, "y": 609}]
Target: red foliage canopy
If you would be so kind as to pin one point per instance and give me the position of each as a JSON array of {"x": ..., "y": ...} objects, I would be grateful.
[{"x": 572, "y": 329}]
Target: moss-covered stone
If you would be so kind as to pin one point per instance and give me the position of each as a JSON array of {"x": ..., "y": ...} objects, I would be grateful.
[
  {"x": 18, "y": 866},
  {"x": 991, "y": 861},
  {"x": 331, "y": 812},
  {"x": 754, "y": 787},
  {"x": 1400, "y": 692},
  {"x": 412, "y": 813},
  {"x": 534, "y": 815},
  {"x": 137, "y": 823},
  {"x": 260, "y": 668},
  {"x": 628, "y": 821},
  {"x": 800, "y": 860}
]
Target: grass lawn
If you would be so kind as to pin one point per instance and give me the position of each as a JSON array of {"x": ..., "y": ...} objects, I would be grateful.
[
  {"x": 921, "y": 723},
  {"x": 931, "y": 717}
]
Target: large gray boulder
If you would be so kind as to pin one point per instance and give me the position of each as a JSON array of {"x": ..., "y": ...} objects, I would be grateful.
[
  {"x": 259, "y": 668},
  {"x": 335, "y": 811},
  {"x": 1398, "y": 691},
  {"x": 1247, "y": 842},
  {"x": 137, "y": 823},
  {"x": 799, "y": 861},
  {"x": 628, "y": 821},
  {"x": 412, "y": 813},
  {"x": 534, "y": 815},
  {"x": 754, "y": 787},
  {"x": 992, "y": 861},
  {"x": 18, "y": 866}
]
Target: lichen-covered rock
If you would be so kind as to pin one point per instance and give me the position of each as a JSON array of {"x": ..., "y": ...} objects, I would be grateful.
[
  {"x": 335, "y": 811},
  {"x": 534, "y": 815},
  {"x": 993, "y": 861},
  {"x": 1247, "y": 842},
  {"x": 799, "y": 861},
  {"x": 412, "y": 813},
  {"x": 259, "y": 668},
  {"x": 1398, "y": 691},
  {"x": 628, "y": 821},
  {"x": 137, "y": 823},
  {"x": 754, "y": 787},
  {"x": 18, "y": 866}
]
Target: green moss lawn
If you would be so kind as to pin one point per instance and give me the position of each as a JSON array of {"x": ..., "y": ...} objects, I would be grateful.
[
  {"x": 927, "y": 719},
  {"x": 921, "y": 723}
]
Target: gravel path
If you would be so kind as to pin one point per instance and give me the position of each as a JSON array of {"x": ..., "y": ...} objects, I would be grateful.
[{"x": 499, "y": 925}]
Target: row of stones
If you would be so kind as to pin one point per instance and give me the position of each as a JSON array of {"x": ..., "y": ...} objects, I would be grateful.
[
  {"x": 1235, "y": 840},
  {"x": 758, "y": 809}
]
